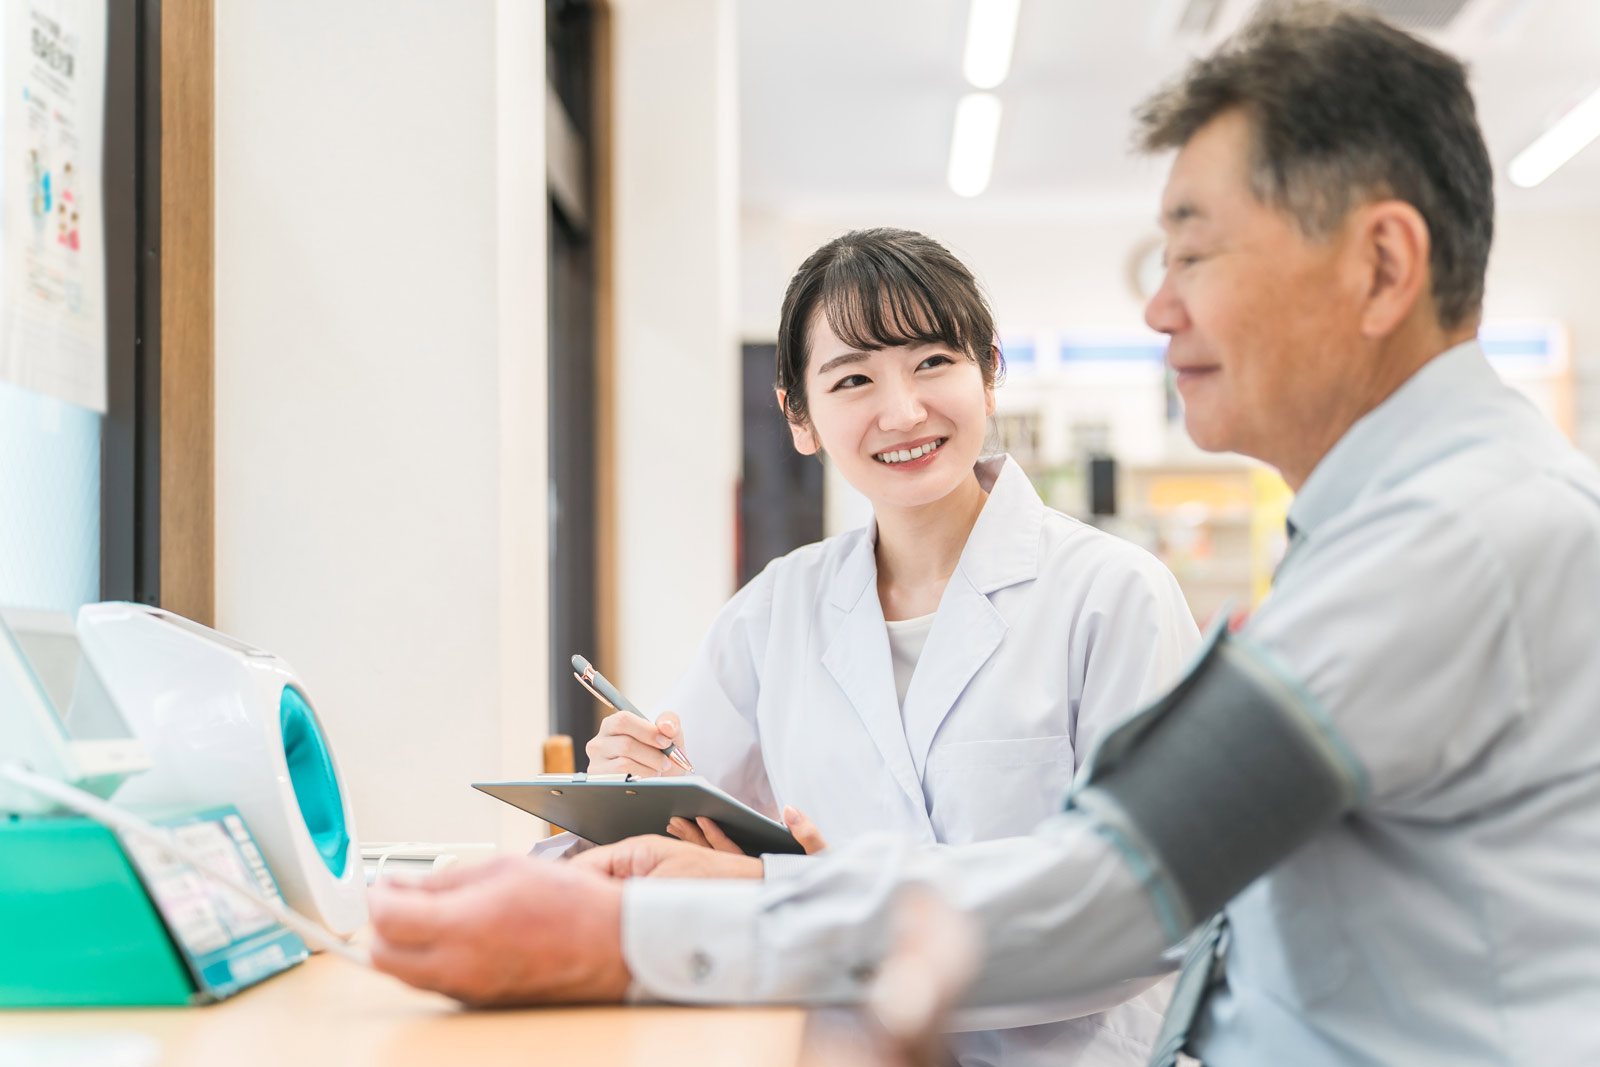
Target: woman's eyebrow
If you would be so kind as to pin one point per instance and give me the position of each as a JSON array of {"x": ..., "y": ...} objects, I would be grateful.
[{"x": 840, "y": 361}]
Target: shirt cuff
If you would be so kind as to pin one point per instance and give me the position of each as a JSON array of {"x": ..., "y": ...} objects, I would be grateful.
[
  {"x": 783, "y": 864},
  {"x": 691, "y": 940}
]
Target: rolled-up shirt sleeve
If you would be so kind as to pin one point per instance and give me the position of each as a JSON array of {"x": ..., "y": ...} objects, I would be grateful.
[{"x": 1059, "y": 914}]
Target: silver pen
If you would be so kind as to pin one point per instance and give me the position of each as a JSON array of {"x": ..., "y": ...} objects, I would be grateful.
[{"x": 607, "y": 694}]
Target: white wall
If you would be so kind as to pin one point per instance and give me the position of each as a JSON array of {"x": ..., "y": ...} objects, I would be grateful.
[
  {"x": 675, "y": 183},
  {"x": 1040, "y": 273},
  {"x": 380, "y": 370}
]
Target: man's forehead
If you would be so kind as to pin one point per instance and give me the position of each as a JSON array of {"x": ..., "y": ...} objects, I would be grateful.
[
  {"x": 1187, "y": 200},
  {"x": 1209, "y": 172}
]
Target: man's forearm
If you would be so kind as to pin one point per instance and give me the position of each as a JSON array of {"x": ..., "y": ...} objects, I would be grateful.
[{"x": 1059, "y": 914}]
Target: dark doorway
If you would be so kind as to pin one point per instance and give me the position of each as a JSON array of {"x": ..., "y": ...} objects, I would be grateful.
[
  {"x": 573, "y": 400},
  {"x": 780, "y": 495}
]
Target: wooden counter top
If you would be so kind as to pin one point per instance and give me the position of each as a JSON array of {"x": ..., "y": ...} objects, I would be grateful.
[{"x": 328, "y": 1011}]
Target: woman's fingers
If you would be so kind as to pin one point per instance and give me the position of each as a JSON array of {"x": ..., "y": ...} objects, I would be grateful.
[
  {"x": 627, "y": 744},
  {"x": 613, "y": 756},
  {"x": 669, "y": 727},
  {"x": 715, "y": 837},
  {"x": 687, "y": 832},
  {"x": 628, "y": 724},
  {"x": 618, "y": 749},
  {"x": 804, "y": 830}
]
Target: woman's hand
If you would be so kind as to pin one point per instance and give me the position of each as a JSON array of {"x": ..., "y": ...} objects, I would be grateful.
[
  {"x": 804, "y": 830},
  {"x": 707, "y": 834},
  {"x": 703, "y": 832},
  {"x": 654, "y": 856},
  {"x": 627, "y": 744}
]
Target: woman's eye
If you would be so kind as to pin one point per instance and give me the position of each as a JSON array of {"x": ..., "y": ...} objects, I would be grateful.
[
  {"x": 849, "y": 382},
  {"x": 935, "y": 361}
]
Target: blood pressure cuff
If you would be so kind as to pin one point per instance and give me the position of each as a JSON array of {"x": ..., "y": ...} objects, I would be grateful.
[{"x": 1212, "y": 785}]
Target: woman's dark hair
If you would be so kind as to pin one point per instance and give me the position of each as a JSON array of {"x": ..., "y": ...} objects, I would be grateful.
[{"x": 883, "y": 288}]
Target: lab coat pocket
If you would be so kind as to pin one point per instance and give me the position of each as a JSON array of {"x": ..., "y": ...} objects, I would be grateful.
[{"x": 979, "y": 790}]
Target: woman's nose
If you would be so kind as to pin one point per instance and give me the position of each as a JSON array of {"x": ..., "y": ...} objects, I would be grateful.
[{"x": 902, "y": 408}]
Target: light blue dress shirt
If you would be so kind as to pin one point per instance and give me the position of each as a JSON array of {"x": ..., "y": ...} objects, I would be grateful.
[{"x": 1442, "y": 603}]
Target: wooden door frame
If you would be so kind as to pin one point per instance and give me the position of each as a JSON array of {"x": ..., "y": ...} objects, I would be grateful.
[
  {"x": 172, "y": 378},
  {"x": 602, "y": 237}
]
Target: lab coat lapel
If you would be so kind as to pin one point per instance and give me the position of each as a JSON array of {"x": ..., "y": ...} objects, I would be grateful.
[
  {"x": 1002, "y": 550},
  {"x": 858, "y": 660}
]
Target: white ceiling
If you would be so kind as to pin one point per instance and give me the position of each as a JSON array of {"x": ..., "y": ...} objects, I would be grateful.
[{"x": 847, "y": 105}]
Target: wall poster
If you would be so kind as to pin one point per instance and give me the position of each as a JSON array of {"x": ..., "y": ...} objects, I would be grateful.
[{"x": 52, "y": 273}]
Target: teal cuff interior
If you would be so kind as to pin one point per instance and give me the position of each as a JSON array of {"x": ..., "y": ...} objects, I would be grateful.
[{"x": 316, "y": 788}]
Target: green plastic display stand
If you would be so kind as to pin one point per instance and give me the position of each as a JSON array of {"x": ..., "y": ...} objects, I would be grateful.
[{"x": 78, "y": 928}]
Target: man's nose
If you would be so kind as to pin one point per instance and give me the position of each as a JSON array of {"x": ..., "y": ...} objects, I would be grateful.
[{"x": 1164, "y": 313}]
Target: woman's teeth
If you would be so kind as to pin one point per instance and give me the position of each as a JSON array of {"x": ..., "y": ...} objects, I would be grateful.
[{"x": 905, "y": 455}]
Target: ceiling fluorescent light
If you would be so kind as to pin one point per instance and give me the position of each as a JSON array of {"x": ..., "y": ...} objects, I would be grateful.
[
  {"x": 991, "y": 33},
  {"x": 1569, "y": 136},
  {"x": 972, "y": 146}
]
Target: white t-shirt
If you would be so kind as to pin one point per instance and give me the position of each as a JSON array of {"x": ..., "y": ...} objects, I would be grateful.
[{"x": 906, "y": 638}]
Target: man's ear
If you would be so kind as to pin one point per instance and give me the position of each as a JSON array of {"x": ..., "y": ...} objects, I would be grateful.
[
  {"x": 805, "y": 442},
  {"x": 1395, "y": 247}
]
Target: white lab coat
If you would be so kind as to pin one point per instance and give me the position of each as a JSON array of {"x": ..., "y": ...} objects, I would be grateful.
[{"x": 1048, "y": 631}]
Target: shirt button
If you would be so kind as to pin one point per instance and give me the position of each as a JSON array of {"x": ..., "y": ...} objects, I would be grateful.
[{"x": 700, "y": 966}]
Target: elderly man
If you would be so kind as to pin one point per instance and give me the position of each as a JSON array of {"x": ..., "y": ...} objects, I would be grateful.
[{"x": 1372, "y": 818}]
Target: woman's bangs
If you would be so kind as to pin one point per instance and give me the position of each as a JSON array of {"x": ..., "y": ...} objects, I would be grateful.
[{"x": 869, "y": 309}]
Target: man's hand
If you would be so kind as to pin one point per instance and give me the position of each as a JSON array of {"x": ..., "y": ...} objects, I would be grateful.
[
  {"x": 510, "y": 931},
  {"x": 654, "y": 856}
]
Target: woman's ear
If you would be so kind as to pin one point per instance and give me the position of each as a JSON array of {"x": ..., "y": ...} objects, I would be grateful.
[
  {"x": 805, "y": 442},
  {"x": 988, "y": 400}
]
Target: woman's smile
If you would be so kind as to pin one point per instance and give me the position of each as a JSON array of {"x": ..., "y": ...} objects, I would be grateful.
[{"x": 912, "y": 455}]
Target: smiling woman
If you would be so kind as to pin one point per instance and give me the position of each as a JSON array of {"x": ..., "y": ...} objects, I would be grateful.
[
  {"x": 941, "y": 673},
  {"x": 887, "y": 360}
]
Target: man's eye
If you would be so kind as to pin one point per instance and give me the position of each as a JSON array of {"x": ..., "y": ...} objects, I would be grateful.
[
  {"x": 849, "y": 382},
  {"x": 934, "y": 361}
]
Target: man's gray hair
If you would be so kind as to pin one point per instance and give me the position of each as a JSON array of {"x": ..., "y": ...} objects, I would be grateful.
[{"x": 1347, "y": 109}]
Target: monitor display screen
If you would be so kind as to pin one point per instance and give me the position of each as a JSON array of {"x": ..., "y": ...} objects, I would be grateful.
[{"x": 75, "y": 693}]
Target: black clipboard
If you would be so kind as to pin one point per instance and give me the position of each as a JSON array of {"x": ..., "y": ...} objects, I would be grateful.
[{"x": 606, "y": 809}]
